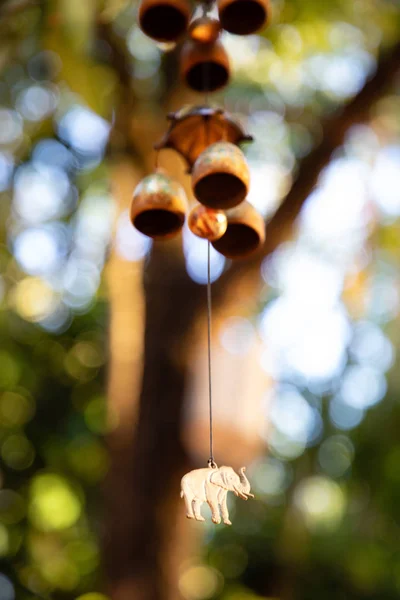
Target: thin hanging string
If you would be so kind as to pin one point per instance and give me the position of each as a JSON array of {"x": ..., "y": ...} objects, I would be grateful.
[
  {"x": 211, "y": 462},
  {"x": 206, "y": 78}
]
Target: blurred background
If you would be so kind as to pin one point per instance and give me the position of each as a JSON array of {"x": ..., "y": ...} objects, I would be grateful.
[{"x": 103, "y": 385}]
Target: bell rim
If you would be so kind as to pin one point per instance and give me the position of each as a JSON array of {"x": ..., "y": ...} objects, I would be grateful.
[
  {"x": 182, "y": 12},
  {"x": 259, "y": 240},
  {"x": 225, "y": 6},
  {"x": 180, "y": 216},
  {"x": 235, "y": 201},
  {"x": 247, "y": 217}
]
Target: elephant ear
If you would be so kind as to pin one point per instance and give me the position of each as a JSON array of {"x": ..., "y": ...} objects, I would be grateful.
[{"x": 218, "y": 478}]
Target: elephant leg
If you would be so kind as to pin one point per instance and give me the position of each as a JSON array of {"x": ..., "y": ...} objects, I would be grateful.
[
  {"x": 189, "y": 507},
  {"x": 215, "y": 516},
  {"x": 224, "y": 510},
  {"x": 196, "y": 509},
  {"x": 212, "y": 501}
]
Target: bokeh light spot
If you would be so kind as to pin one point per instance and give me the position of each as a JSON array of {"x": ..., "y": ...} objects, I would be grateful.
[
  {"x": 41, "y": 192},
  {"x": 36, "y": 102},
  {"x": 343, "y": 416},
  {"x": 4, "y": 541},
  {"x": 85, "y": 554},
  {"x": 335, "y": 455},
  {"x": 98, "y": 417},
  {"x": 88, "y": 458},
  {"x": 86, "y": 131},
  {"x": 199, "y": 582},
  {"x": 36, "y": 251},
  {"x": 54, "y": 503},
  {"x": 10, "y": 370},
  {"x": 7, "y": 591},
  {"x": 237, "y": 335},
  {"x": 271, "y": 477},
  {"x": 16, "y": 409},
  {"x": 321, "y": 501},
  {"x": 17, "y": 452},
  {"x": 34, "y": 299},
  {"x": 10, "y": 126}
]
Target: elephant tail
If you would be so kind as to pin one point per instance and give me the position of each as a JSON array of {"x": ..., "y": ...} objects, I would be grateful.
[{"x": 182, "y": 494}]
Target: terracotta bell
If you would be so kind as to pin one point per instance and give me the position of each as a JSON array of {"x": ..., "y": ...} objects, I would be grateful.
[
  {"x": 245, "y": 232},
  {"x": 164, "y": 20},
  {"x": 220, "y": 176},
  {"x": 159, "y": 206},
  {"x": 207, "y": 223},
  {"x": 204, "y": 67},
  {"x": 192, "y": 129},
  {"x": 205, "y": 30},
  {"x": 243, "y": 17}
]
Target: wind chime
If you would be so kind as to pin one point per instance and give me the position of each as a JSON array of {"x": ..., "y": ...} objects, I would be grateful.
[{"x": 209, "y": 139}]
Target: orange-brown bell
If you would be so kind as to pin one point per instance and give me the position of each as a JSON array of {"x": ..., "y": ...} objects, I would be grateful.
[
  {"x": 220, "y": 176},
  {"x": 192, "y": 129},
  {"x": 245, "y": 232},
  {"x": 159, "y": 206},
  {"x": 207, "y": 223},
  {"x": 243, "y": 17},
  {"x": 204, "y": 67},
  {"x": 205, "y": 30},
  {"x": 164, "y": 20}
]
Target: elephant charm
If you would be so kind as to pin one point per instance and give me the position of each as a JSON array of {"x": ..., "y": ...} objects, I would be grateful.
[{"x": 212, "y": 485}]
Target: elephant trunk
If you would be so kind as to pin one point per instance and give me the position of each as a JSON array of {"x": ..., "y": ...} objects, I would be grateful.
[{"x": 245, "y": 483}]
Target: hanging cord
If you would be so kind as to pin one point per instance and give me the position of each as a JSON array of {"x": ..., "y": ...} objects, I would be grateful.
[
  {"x": 211, "y": 463},
  {"x": 206, "y": 77}
]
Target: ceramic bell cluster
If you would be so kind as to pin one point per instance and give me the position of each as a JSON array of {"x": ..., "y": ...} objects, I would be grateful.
[
  {"x": 220, "y": 182},
  {"x": 207, "y": 138},
  {"x": 204, "y": 62}
]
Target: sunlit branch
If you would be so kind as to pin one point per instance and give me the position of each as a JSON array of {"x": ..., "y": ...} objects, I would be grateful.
[{"x": 281, "y": 225}]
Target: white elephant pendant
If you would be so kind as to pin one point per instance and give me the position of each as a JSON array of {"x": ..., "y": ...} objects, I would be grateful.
[{"x": 212, "y": 485}]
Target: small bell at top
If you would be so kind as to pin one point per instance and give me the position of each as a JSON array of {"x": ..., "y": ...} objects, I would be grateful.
[
  {"x": 159, "y": 206},
  {"x": 207, "y": 223},
  {"x": 204, "y": 66},
  {"x": 245, "y": 232},
  {"x": 220, "y": 176},
  {"x": 164, "y": 20},
  {"x": 243, "y": 17}
]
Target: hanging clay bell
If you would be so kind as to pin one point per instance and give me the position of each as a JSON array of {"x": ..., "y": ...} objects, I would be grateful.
[
  {"x": 220, "y": 176},
  {"x": 192, "y": 129},
  {"x": 207, "y": 223},
  {"x": 245, "y": 232},
  {"x": 159, "y": 206},
  {"x": 204, "y": 67},
  {"x": 164, "y": 20},
  {"x": 205, "y": 30},
  {"x": 243, "y": 17}
]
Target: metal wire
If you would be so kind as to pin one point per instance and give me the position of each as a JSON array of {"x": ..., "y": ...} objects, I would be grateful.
[{"x": 211, "y": 461}]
